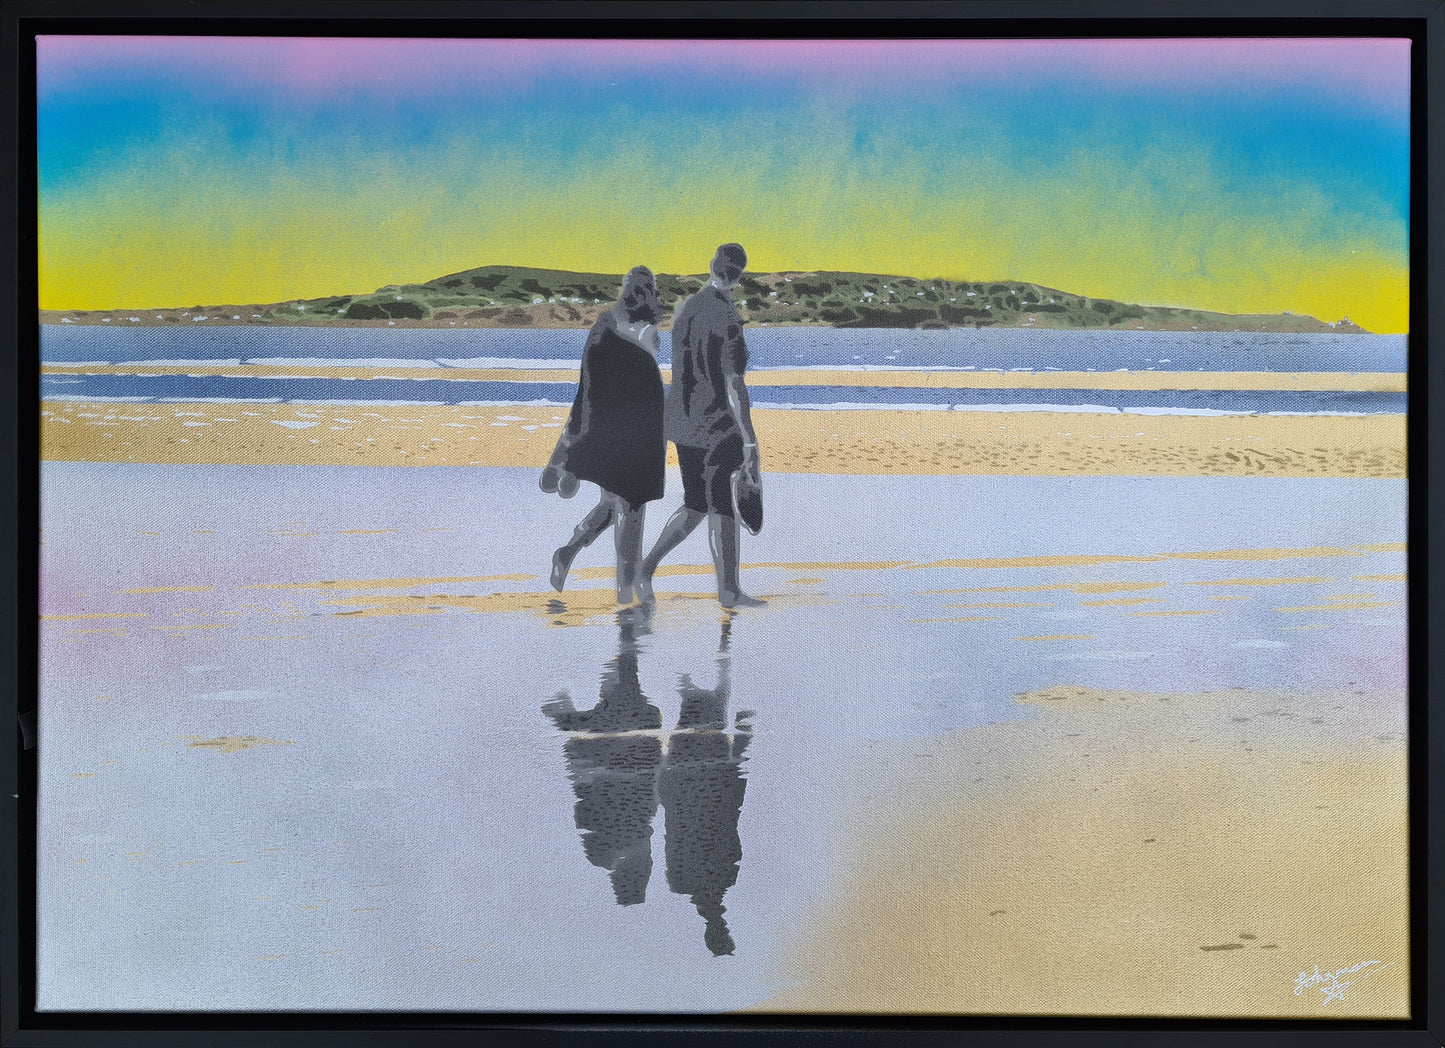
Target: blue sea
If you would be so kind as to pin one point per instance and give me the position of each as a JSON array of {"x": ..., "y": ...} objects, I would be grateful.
[{"x": 822, "y": 349}]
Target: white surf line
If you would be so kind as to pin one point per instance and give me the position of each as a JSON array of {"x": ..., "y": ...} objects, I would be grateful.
[
  {"x": 1077, "y": 409},
  {"x": 498, "y": 369},
  {"x": 508, "y": 364},
  {"x": 758, "y": 406},
  {"x": 958, "y": 378}
]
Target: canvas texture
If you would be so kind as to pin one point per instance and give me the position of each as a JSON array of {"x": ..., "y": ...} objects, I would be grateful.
[{"x": 411, "y": 638}]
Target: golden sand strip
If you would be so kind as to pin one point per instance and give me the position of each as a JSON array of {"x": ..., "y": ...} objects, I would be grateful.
[
  {"x": 408, "y": 583},
  {"x": 1124, "y": 854},
  {"x": 1073, "y": 560},
  {"x": 1370, "y": 382},
  {"x": 576, "y": 607},
  {"x": 96, "y": 615},
  {"x": 828, "y": 442},
  {"x": 168, "y": 589},
  {"x": 236, "y": 743},
  {"x": 1074, "y": 587},
  {"x": 1295, "y": 580},
  {"x": 371, "y": 596}
]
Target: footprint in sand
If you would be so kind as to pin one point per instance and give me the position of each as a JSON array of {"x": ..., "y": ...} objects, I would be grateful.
[{"x": 1248, "y": 937}]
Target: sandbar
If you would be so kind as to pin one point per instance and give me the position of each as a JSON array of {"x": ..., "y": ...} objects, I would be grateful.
[{"x": 871, "y": 441}]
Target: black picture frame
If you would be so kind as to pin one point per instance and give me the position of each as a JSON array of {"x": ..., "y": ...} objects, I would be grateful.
[{"x": 1422, "y": 21}]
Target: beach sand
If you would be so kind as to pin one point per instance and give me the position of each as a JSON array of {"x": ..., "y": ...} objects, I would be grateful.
[
  {"x": 1112, "y": 852},
  {"x": 1021, "y": 443},
  {"x": 221, "y": 641},
  {"x": 1127, "y": 853}
]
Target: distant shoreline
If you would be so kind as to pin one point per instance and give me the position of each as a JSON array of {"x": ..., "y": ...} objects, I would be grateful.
[{"x": 232, "y": 316}]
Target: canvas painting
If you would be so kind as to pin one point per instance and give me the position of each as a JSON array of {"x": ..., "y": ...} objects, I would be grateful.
[{"x": 798, "y": 527}]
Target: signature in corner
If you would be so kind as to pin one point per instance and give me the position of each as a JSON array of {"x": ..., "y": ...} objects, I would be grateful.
[{"x": 1333, "y": 984}]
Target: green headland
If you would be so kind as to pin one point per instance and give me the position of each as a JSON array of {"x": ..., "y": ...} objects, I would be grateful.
[{"x": 518, "y": 297}]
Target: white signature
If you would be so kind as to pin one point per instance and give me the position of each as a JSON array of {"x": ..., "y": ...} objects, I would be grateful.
[{"x": 1333, "y": 984}]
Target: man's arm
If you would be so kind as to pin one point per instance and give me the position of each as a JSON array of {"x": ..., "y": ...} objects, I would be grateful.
[{"x": 739, "y": 402}]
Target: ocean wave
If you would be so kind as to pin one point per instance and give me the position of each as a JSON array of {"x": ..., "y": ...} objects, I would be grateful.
[
  {"x": 87, "y": 399},
  {"x": 822, "y": 348},
  {"x": 514, "y": 404},
  {"x": 213, "y": 400},
  {"x": 345, "y": 362},
  {"x": 882, "y": 367},
  {"x": 1069, "y": 409},
  {"x": 368, "y": 403},
  {"x": 503, "y": 363},
  {"x": 234, "y": 362}
]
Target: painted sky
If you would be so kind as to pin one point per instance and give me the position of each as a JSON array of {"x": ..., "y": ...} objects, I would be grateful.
[{"x": 1237, "y": 175}]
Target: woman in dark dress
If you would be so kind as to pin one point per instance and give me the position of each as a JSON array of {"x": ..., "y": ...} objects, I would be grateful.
[{"x": 614, "y": 434}]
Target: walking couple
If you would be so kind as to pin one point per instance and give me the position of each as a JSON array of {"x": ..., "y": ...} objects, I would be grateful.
[{"x": 621, "y": 421}]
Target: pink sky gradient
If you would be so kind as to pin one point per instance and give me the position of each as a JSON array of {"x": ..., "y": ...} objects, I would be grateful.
[{"x": 1375, "y": 72}]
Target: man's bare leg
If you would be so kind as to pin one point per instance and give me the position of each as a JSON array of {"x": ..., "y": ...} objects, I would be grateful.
[
  {"x": 592, "y": 525},
  {"x": 678, "y": 527},
  {"x": 723, "y": 537}
]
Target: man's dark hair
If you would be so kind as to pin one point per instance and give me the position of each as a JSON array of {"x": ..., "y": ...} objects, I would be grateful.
[{"x": 729, "y": 262}]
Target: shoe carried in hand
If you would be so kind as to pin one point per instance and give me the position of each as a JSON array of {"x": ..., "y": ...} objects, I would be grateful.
[{"x": 556, "y": 479}]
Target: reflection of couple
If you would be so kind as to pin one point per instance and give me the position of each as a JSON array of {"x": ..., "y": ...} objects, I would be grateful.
[
  {"x": 621, "y": 420},
  {"x": 620, "y": 777}
]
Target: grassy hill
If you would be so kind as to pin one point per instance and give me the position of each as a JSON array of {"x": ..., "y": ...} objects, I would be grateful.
[{"x": 513, "y": 296}]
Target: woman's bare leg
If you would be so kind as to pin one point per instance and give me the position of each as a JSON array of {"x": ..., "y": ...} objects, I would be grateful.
[
  {"x": 628, "y": 538},
  {"x": 594, "y": 524}
]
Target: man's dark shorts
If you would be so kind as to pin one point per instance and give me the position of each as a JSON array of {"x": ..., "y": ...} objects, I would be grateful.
[{"x": 707, "y": 475}]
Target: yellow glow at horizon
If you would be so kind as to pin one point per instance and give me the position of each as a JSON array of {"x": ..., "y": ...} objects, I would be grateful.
[{"x": 1087, "y": 230}]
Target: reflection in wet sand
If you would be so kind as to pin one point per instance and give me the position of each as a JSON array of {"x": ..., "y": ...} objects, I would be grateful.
[
  {"x": 614, "y": 774},
  {"x": 620, "y": 775},
  {"x": 701, "y": 788}
]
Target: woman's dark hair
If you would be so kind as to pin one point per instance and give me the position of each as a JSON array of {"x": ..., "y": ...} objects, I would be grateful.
[{"x": 639, "y": 296}]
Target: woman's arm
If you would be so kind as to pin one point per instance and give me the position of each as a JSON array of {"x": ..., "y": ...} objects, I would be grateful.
[
  {"x": 576, "y": 425},
  {"x": 581, "y": 416}
]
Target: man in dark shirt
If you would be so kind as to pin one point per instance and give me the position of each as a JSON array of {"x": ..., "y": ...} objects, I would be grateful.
[{"x": 708, "y": 417}]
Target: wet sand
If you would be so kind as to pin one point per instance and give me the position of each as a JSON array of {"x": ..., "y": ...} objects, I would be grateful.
[
  {"x": 880, "y": 441},
  {"x": 1125, "y": 853},
  {"x": 219, "y": 641}
]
